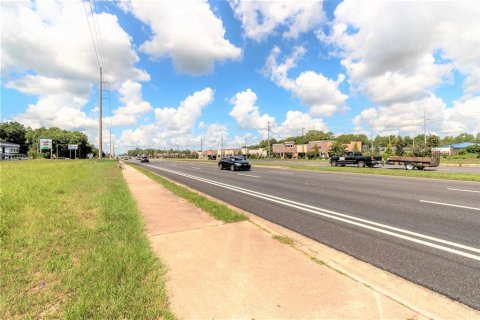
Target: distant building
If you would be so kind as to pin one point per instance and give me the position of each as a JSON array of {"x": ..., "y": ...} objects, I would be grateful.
[
  {"x": 453, "y": 148},
  {"x": 9, "y": 150}
]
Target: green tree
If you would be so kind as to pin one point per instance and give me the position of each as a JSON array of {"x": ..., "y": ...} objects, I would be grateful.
[
  {"x": 399, "y": 145},
  {"x": 14, "y": 132},
  {"x": 337, "y": 148},
  {"x": 388, "y": 151},
  {"x": 464, "y": 137},
  {"x": 474, "y": 148},
  {"x": 433, "y": 141}
]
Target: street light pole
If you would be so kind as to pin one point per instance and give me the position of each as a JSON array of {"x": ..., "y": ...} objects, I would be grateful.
[{"x": 303, "y": 143}]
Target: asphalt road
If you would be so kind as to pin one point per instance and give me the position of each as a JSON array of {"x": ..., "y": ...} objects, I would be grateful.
[
  {"x": 316, "y": 163},
  {"x": 426, "y": 231}
]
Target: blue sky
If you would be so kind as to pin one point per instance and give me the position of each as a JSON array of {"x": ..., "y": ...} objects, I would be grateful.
[{"x": 181, "y": 72}]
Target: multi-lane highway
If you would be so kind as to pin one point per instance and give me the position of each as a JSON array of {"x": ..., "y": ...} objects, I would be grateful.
[{"x": 426, "y": 231}]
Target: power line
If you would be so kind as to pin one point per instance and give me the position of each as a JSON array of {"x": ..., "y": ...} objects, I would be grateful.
[{"x": 91, "y": 34}]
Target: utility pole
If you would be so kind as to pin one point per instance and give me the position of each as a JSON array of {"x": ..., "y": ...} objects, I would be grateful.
[
  {"x": 100, "y": 119},
  {"x": 246, "y": 149},
  {"x": 371, "y": 135},
  {"x": 268, "y": 139},
  {"x": 221, "y": 150},
  {"x": 201, "y": 145},
  {"x": 111, "y": 150},
  {"x": 303, "y": 143},
  {"x": 424, "y": 128}
]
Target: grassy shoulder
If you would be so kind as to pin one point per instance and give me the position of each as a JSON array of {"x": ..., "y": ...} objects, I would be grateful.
[
  {"x": 391, "y": 172},
  {"x": 217, "y": 210},
  {"x": 73, "y": 245}
]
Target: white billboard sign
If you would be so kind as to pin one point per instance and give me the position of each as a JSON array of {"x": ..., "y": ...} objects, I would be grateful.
[
  {"x": 73, "y": 147},
  {"x": 45, "y": 144}
]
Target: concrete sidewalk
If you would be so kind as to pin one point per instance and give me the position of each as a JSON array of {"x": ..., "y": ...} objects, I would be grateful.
[{"x": 225, "y": 271}]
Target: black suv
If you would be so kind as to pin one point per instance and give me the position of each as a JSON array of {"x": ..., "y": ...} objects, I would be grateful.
[
  {"x": 144, "y": 159},
  {"x": 234, "y": 163}
]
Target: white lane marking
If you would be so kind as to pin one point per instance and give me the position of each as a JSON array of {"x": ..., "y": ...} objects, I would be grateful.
[
  {"x": 196, "y": 168},
  {"x": 450, "y": 205},
  {"x": 280, "y": 172},
  {"x": 248, "y": 175},
  {"x": 464, "y": 190},
  {"x": 343, "y": 217}
]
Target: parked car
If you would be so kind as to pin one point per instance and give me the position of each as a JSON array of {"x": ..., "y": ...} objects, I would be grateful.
[
  {"x": 234, "y": 163},
  {"x": 144, "y": 158},
  {"x": 355, "y": 158}
]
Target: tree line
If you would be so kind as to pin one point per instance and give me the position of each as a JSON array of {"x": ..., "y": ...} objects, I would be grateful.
[{"x": 29, "y": 140}]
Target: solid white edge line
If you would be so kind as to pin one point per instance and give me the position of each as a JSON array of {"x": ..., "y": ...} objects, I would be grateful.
[
  {"x": 450, "y": 205},
  {"x": 248, "y": 175},
  {"x": 342, "y": 215},
  {"x": 317, "y": 211},
  {"x": 196, "y": 168},
  {"x": 464, "y": 190}
]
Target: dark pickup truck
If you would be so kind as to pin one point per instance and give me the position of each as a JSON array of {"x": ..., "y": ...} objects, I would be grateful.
[{"x": 355, "y": 158}]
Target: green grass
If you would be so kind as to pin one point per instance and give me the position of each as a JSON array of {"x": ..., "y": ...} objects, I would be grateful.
[
  {"x": 217, "y": 210},
  {"x": 391, "y": 172},
  {"x": 468, "y": 158},
  {"x": 73, "y": 245},
  {"x": 284, "y": 239}
]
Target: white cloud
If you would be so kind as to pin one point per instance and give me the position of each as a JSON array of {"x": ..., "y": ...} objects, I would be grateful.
[
  {"x": 62, "y": 110},
  {"x": 134, "y": 105},
  {"x": 397, "y": 52},
  {"x": 182, "y": 119},
  {"x": 49, "y": 53},
  {"x": 320, "y": 94},
  {"x": 262, "y": 18},
  {"x": 186, "y": 31},
  {"x": 248, "y": 116},
  {"x": 295, "y": 121},
  {"x": 63, "y": 46},
  {"x": 408, "y": 117}
]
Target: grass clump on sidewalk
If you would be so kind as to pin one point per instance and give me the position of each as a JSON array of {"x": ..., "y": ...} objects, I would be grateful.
[
  {"x": 73, "y": 244},
  {"x": 217, "y": 210}
]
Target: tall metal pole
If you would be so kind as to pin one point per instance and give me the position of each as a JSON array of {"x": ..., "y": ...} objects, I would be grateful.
[
  {"x": 303, "y": 143},
  {"x": 100, "y": 119},
  {"x": 424, "y": 128},
  {"x": 221, "y": 151},
  {"x": 246, "y": 149},
  {"x": 373, "y": 147},
  {"x": 268, "y": 139}
]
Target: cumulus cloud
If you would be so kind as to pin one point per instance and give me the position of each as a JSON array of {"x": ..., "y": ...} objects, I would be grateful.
[
  {"x": 262, "y": 18},
  {"x": 62, "y": 110},
  {"x": 248, "y": 116},
  {"x": 188, "y": 32},
  {"x": 320, "y": 94},
  {"x": 49, "y": 53},
  {"x": 59, "y": 34},
  {"x": 408, "y": 117},
  {"x": 134, "y": 105},
  {"x": 182, "y": 119},
  {"x": 247, "y": 113},
  {"x": 295, "y": 121},
  {"x": 396, "y": 52}
]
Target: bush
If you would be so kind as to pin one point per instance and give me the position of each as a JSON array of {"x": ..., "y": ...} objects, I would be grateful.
[{"x": 474, "y": 148}]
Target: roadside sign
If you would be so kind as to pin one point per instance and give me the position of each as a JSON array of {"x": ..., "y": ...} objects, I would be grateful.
[
  {"x": 45, "y": 144},
  {"x": 73, "y": 147}
]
